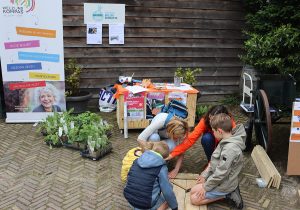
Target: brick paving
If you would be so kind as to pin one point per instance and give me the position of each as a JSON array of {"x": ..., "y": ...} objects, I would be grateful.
[{"x": 33, "y": 176}]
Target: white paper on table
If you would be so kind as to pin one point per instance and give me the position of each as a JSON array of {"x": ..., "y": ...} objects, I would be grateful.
[
  {"x": 116, "y": 33},
  {"x": 182, "y": 87},
  {"x": 94, "y": 33},
  {"x": 296, "y": 105},
  {"x": 296, "y": 119},
  {"x": 136, "y": 89},
  {"x": 295, "y": 130}
]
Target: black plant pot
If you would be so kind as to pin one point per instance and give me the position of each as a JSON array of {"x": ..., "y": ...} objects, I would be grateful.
[
  {"x": 97, "y": 154},
  {"x": 76, "y": 146},
  {"x": 79, "y": 103}
]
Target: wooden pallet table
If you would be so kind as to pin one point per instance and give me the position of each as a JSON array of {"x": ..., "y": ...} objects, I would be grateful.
[{"x": 143, "y": 123}]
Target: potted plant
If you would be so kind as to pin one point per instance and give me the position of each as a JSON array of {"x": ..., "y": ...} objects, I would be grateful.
[
  {"x": 55, "y": 128},
  {"x": 99, "y": 147},
  {"x": 187, "y": 74},
  {"x": 73, "y": 131},
  {"x": 97, "y": 140},
  {"x": 82, "y": 126},
  {"x": 200, "y": 111},
  {"x": 272, "y": 47},
  {"x": 75, "y": 98}
]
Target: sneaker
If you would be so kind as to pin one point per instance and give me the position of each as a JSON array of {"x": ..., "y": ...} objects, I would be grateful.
[{"x": 236, "y": 198}]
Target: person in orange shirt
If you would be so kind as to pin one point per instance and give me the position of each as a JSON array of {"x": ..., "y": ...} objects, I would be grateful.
[{"x": 208, "y": 140}]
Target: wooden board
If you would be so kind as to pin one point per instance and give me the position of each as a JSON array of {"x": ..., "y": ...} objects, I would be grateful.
[
  {"x": 187, "y": 176},
  {"x": 293, "y": 166},
  {"x": 163, "y": 35},
  {"x": 265, "y": 167},
  {"x": 180, "y": 196},
  {"x": 181, "y": 183}
]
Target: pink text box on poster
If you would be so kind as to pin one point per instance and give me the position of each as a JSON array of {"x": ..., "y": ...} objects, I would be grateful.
[{"x": 22, "y": 44}]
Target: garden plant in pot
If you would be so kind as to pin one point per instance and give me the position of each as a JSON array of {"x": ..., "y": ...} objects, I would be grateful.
[
  {"x": 75, "y": 98},
  {"x": 55, "y": 128},
  {"x": 273, "y": 45},
  {"x": 78, "y": 131},
  {"x": 188, "y": 75},
  {"x": 97, "y": 140}
]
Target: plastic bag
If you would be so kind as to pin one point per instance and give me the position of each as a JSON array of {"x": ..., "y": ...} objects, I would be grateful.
[
  {"x": 261, "y": 182},
  {"x": 107, "y": 103}
]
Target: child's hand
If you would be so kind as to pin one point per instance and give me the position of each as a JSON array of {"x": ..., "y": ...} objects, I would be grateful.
[
  {"x": 201, "y": 193},
  {"x": 200, "y": 180},
  {"x": 173, "y": 173},
  {"x": 169, "y": 157}
]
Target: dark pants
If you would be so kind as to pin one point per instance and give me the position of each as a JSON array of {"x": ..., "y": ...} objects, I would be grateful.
[{"x": 208, "y": 144}]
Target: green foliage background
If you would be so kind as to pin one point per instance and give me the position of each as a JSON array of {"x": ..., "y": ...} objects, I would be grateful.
[{"x": 273, "y": 36}]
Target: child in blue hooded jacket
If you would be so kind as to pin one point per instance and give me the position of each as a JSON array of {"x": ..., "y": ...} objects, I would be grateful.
[{"x": 148, "y": 186}]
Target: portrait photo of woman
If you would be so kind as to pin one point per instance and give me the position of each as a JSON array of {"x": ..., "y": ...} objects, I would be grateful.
[{"x": 47, "y": 98}]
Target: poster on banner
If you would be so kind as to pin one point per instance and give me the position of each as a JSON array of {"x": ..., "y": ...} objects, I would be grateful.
[
  {"x": 32, "y": 59},
  {"x": 40, "y": 96},
  {"x": 116, "y": 33},
  {"x": 135, "y": 105},
  {"x": 179, "y": 96},
  {"x": 94, "y": 33},
  {"x": 104, "y": 13},
  {"x": 156, "y": 99}
]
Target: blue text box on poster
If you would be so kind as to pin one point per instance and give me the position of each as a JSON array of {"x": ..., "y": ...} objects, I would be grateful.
[
  {"x": 38, "y": 56},
  {"x": 24, "y": 66}
]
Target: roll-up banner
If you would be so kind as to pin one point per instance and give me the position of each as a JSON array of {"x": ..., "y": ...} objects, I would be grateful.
[{"x": 32, "y": 59}]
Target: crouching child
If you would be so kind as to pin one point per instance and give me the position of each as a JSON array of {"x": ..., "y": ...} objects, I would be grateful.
[
  {"x": 147, "y": 185},
  {"x": 220, "y": 179}
]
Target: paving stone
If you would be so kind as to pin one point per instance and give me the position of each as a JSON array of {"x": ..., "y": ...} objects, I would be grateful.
[{"x": 32, "y": 176}]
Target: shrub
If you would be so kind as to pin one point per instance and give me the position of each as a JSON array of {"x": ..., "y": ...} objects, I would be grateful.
[
  {"x": 273, "y": 36},
  {"x": 72, "y": 71},
  {"x": 274, "y": 52}
]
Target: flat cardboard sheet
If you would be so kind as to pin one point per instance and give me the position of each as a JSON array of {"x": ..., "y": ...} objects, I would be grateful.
[{"x": 293, "y": 166}]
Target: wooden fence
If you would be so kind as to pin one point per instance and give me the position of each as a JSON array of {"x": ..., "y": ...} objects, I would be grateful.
[{"x": 159, "y": 37}]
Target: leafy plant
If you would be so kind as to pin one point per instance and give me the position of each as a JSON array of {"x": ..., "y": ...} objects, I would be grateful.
[
  {"x": 86, "y": 118},
  {"x": 188, "y": 74},
  {"x": 54, "y": 127},
  {"x": 98, "y": 143},
  {"x": 233, "y": 99},
  {"x": 275, "y": 52},
  {"x": 67, "y": 128},
  {"x": 93, "y": 131},
  {"x": 264, "y": 16},
  {"x": 201, "y": 110},
  {"x": 72, "y": 80},
  {"x": 273, "y": 36}
]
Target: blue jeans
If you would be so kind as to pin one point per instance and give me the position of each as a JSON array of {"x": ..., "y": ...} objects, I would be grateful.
[
  {"x": 159, "y": 202},
  {"x": 208, "y": 144},
  {"x": 215, "y": 194}
]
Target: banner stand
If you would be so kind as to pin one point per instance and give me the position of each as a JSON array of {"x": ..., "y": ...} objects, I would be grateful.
[{"x": 32, "y": 59}]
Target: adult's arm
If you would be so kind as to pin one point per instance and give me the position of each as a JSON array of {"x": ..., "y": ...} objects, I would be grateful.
[
  {"x": 166, "y": 188},
  {"x": 190, "y": 140},
  {"x": 157, "y": 123}
]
